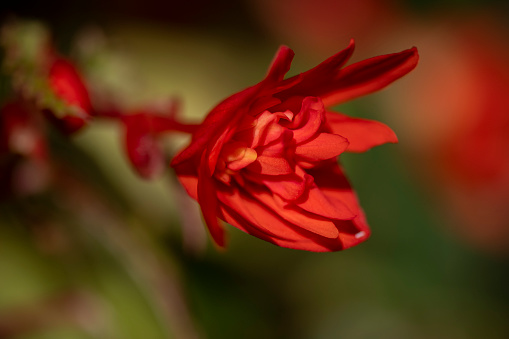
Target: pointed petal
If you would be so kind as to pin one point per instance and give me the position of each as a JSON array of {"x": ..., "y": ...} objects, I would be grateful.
[
  {"x": 316, "y": 77},
  {"x": 280, "y": 64},
  {"x": 330, "y": 65},
  {"x": 334, "y": 85},
  {"x": 362, "y": 134},
  {"x": 367, "y": 76}
]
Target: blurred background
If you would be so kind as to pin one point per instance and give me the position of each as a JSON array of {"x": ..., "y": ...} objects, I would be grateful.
[{"x": 98, "y": 252}]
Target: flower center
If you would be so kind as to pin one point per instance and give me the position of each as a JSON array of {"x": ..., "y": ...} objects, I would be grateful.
[
  {"x": 234, "y": 156},
  {"x": 273, "y": 149}
]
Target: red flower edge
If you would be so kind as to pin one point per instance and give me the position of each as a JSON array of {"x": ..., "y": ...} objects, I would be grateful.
[{"x": 265, "y": 159}]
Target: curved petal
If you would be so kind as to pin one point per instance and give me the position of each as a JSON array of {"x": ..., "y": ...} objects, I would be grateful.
[
  {"x": 334, "y": 184},
  {"x": 298, "y": 217},
  {"x": 324, "y": 146},
  {"x": 362, "y": 134},
  {"x": 260, "y": 217},
  {"x": 315, "y": 201},
  {"x": 313, "y": 114},
  {"x": 289, "y": 187},
  {"x": 307, "y": 242}
]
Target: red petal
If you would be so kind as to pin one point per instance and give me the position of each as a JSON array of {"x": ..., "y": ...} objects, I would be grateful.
[
  {"x": 353, "y": 232},
  {"x": 367, "y": 76},
  {"x": 318, "y": 203},
  {"x": 278, "y": 148},
  {"x": 67, "y": 84},
  {"x": 266, "y": 128},
  {"x": 289, "y": 187},
  {"x": 298, "y": 217},
  {"x": 362, "y": 134},
  {"x": 190, "y": 184},
  {"x": 255, "y": 218},
  {"x": 334, "y": 185},
  {"x": 236, "y": 155},
  {"x": 313, "y": 112},
  {"x": 323, "y": 146},
  {"x": 270, "y": 166},
  {"x": 318, "y": 77},
  {"x": 258, "y": 215},
  {"x": 187, "y": 174},
  {"x": 261, "y": 104},
  {"x": 280, "y": 64},
  {"x": 307, "y": 242},
  {"x": 224, "y": 116},
  {"x": 334, "y": 85},
  {"x": 249, "y": 157},
  {"x": 208, "y": 202}
]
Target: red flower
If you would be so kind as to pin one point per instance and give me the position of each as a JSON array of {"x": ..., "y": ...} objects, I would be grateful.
[
  {"x": 265, "y": 159},
  {"x": 66, "y": 83},
  {"x": 143, "y": 129}
]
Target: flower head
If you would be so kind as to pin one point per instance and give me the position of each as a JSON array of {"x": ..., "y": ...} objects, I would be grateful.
[
  {"x": 143, "y": 130},
  {"x": 265, "y": 159}
]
